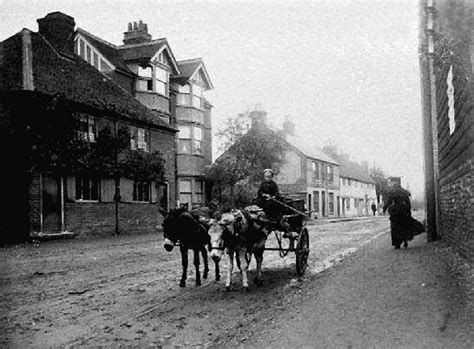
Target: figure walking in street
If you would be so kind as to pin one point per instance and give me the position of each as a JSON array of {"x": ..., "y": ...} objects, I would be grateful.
[
  {"x": 374, "y": 207},
  {"x": 399, "y": 208}
]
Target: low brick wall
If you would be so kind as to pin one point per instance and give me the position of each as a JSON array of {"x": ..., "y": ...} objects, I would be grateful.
[{"x": 90, "y": 218}]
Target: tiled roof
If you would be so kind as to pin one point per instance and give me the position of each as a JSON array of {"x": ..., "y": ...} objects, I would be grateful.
[
  {"x": 143, "y": 51},
  {"x": 188, "y": 68},
  {"x": 351, "y": 169},
  {"x": 10, "y": 66},
  {"x": 109, "y": 50},
  {"x": 310, "y": 151},
  {"x": 75, "y": 79}
]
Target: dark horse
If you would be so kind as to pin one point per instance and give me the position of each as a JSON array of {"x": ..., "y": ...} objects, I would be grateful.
[{"x": 181, "y": 225}]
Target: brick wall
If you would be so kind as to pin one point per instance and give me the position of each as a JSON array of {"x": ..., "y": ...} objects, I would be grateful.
[
  {"x": 165, "y": 143},
  {"x": 456, "y": 220},
  {"x": 99, "y": 218}
]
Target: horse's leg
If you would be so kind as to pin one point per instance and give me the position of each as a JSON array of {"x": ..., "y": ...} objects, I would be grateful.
[
  {"x": 230, "y": 267},
  {"x": 259, "y": 259},
  {"x": 204, "y": 258},
  {"x": 196, "y": 265},
  {"x": 218, "y": 272},
  {"x": 241, "y": 256},
  {"x": 184, "y": 261}
]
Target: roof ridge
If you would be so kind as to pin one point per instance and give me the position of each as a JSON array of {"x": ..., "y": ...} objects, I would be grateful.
[
  {"x": 156, "y": 41},
  {"x": 97, "y": 38},
  {"x": 189, "y": 60}
]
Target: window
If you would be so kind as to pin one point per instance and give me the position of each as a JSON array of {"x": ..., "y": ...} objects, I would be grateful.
[
  {"x": 184, "y": 144},
  {"x": 323, "y": 172},
  {"x": 316, "y": 201},
  {"x": 145, "y": 78},
  {"x": 197, "y": 95},
  {"x": 348, "y": 204},
  {"x": 190, "y": 95},
  {"x": 331, "y": 203},
  {"x": 199, "y": 192},
  {"x": 190, "y": 135},
  {"x": 315, "y": 168},
  {"x": 88, "y": 128},
  {"x": 139, "y": 139},
  {"x": 141, "y": 191},
  {"x": 355, "y": 203},
  {"x": 87, "y": 188},
  {"x": 197, "y": 142},
  {"x": 185, "y": 192},
  {"x": 330, "y": 174},
  {"x": 161, "y": 77}
]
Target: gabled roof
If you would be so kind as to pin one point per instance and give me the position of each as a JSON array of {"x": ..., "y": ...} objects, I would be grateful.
[
  {"x": 310, "y": 151},
  {"x": 52, "y": 73},
  {"x": 351, "y": 169},
  {"x": 109, "y": 50},
  {"x": 189, "y": 68},
  {"x": 145, "y": 52}
]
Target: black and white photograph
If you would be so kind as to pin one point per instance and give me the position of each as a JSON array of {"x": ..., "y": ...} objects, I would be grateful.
[{"x": 237, "y": 173}]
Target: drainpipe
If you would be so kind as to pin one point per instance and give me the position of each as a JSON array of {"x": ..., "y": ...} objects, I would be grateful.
[
  {"x": 63, "y": 225},
  {"x": 429, "y": 117}
]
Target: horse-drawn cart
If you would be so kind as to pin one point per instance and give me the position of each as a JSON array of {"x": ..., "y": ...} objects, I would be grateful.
[{"x": 292, "y": 224}]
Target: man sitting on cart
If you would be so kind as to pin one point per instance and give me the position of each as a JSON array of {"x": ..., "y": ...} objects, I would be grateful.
[{"x": 268, "y": 198}]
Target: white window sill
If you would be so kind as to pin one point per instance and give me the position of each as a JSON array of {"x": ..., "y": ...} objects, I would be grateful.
[{"x": 87, "y": 201}]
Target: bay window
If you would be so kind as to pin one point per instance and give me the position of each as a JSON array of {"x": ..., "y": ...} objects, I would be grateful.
[
  {"x": 185, "y": 192},
  {"x": 184, "y": 143}
]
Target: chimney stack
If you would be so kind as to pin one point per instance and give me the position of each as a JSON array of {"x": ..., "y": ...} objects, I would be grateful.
[
  {"x": 58, "y": 29},
  {"x": 137, "y": 33},
  {"x": 288, "y": 126},
  {"x": 258, "y": 117}
]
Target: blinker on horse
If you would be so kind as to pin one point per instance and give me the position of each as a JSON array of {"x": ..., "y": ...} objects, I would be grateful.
[{"x": 181, "y": 226}]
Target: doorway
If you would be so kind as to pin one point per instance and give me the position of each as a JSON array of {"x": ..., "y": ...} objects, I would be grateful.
[{"x": 51, "y": 204}]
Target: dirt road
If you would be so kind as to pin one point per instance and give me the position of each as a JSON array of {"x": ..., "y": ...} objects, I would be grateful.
[{"x": 124, "y": 290}]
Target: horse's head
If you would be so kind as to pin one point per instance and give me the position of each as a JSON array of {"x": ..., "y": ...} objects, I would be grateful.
[
  {"x": 171, "y": 227},
  {"x": 216, "y": 235}
]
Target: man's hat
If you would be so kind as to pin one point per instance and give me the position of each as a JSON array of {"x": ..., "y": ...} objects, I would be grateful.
[{"x": 268, "y": 170}]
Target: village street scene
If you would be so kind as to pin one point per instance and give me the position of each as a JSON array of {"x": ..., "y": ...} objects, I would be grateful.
[{"x": 237, "y": 174}]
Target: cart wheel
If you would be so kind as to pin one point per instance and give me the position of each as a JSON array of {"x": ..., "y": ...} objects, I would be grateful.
[{"x": 302, "y": 252}]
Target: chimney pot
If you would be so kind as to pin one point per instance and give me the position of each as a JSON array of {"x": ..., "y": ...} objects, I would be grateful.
[{"x": 129, "y": 26}]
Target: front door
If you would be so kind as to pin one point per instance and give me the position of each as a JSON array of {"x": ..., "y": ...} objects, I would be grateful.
[
  {"x": 323, "y": 201},
  {"x": 51, "y": 204}
]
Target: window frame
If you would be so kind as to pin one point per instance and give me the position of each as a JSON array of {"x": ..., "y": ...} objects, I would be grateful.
[
  {"x": 135, "y": 141},
  {"x": 80, "y": 180},
  {"x": 88, "y": 128},
  {"x": 141, "y": 192}
]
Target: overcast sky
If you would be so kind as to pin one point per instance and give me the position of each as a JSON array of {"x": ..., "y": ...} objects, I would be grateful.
[{"x": 344, "y": 71}]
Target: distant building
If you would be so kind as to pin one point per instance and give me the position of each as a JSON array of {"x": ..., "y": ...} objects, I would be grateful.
[
  {"x": 357, "y": 188},
  {"x": 447, "y": 64},
  {"x": 311, "y": 174}
]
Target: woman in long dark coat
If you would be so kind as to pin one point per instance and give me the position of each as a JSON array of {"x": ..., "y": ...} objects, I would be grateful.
[
  {"x": 399, "y": 209},
  {"x": 267, "y": 193}
]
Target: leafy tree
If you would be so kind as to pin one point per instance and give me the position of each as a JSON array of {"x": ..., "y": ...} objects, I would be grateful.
[
  {"x": 250, "y": 147},
  {"x": 381, "y": 182}
]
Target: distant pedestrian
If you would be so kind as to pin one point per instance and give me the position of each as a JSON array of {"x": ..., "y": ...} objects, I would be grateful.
[{"x": 374, "y": 207}]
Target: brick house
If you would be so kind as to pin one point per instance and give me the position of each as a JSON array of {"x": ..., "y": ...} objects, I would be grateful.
[
  {"x": 357, "y": 188},
  {"x": 311, "y": 174},
  {"x": 38, "y": 68},
  {"x": 193, "y": 119},
  {"x": 148, "y": 70},
  {"x": 307, "y": 172},
  {"x": 447, "y": 81}
]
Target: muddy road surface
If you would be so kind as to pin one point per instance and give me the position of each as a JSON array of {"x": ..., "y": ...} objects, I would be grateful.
[{"x": 124, "y": 290}]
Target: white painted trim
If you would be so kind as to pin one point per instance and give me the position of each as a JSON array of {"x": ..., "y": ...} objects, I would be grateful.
[
  {"x": 27, "y": 61},
  {"x": 154, "y": 59},
  {"x": 101, "y": 56}
]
